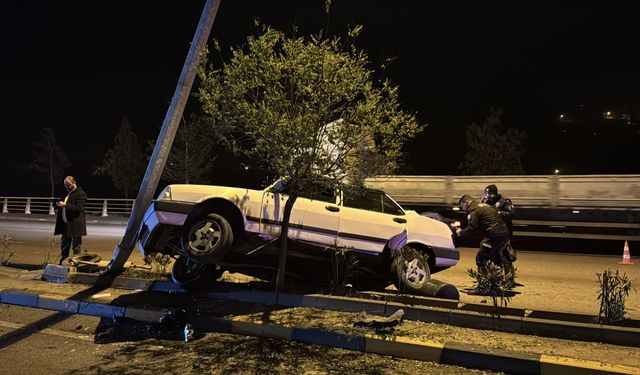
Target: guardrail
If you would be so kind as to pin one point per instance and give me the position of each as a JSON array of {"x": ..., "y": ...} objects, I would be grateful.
[
  {"x": 594, "y": 228},
  {"x": 39, "y": 205},
  {"x": 588, "y": 207},
  {"x": 554, "y": 191}
]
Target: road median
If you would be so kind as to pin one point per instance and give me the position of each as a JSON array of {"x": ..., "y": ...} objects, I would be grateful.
[{"x": 111, "y": 303}]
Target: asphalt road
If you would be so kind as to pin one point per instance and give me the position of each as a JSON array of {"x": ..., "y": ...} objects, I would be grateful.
[
  {"x": 35, "y": 240},
  {"x": 566, "y": 282}
]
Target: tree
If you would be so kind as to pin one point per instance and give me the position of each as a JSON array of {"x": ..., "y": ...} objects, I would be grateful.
[
  {"x": 124, "y": 162},
  {"x": 48, "y": 158},
  {"x": 493, "y": 149},
  {"x": 307, "y": 109},
  {"x": 193, "y": 152}
]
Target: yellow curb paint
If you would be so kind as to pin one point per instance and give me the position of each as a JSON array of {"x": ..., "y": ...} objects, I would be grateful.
[
  {"x": 550, "y": 365},
  {"x": 260, "y": 330},
  {"x": 405, "y": 348}
]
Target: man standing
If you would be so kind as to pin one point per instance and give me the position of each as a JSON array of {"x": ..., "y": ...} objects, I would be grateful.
[
  {"x": 503, "y": 205},
  {"x": 487, "y": 222},
  {"x": 70, "y": 222}
]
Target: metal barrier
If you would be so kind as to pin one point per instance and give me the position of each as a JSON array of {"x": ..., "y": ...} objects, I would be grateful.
[{"x": 38, "y": 205}]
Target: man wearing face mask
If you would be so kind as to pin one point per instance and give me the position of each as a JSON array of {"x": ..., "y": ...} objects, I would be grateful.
[
  {"x": 70, "y": 222},
  {"x": 502, "y": 204}
]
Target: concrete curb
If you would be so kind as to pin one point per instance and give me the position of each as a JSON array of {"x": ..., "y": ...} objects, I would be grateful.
[
  {"x": 458, "y": 317},
  {"x": 451, "y": 354}
]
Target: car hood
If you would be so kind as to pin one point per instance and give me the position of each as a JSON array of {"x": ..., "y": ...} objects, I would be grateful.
[{"x": 198, "y": 193}]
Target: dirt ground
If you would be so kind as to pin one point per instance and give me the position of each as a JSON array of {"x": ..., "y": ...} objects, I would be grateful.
[
  {"x": 564, "y": 296},
  {"x": 491, "y": 340}
]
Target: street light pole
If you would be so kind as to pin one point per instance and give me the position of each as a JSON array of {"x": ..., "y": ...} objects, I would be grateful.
[{"x": 165, "y": 138}]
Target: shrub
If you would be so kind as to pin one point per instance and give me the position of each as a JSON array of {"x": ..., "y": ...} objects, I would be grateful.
[
  {"x": 8, "y": 241},
  {"x": 343, "y": 270},
  {"x": 614, "y": 289},
  {"x": 494, "y": 281}
]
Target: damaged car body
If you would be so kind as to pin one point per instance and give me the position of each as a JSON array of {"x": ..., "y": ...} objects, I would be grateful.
[{"x": 210, "y": 229}]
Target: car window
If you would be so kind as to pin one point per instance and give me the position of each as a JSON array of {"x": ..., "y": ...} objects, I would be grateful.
[
  {"x": 372, "y": 201},
  {"x": 391, "y": 207},
  {"x": 321, "y": 194},
  {"x": 316, "y": 192},
  {"x": 368, "y": 200}
]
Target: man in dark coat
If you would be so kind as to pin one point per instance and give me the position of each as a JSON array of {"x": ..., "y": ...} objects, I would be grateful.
[
  {"x": 503, "y": 205},
  {"x": 486, "y": 221},
  {"x": 70, "y": 222}
]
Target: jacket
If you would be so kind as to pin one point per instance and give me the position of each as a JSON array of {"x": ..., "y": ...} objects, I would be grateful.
[
  {"x": 505, "y": 207},
  {"x": 484, "y": 220},
  {"x": 76, "y": 225}
]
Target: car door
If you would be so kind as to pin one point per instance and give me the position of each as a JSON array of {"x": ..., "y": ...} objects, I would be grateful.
[
  {"x": 369, "y": 220},
  {"x": 314, "y": 217}
]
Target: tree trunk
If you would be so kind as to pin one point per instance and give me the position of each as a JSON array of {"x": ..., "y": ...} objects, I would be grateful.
[{"x": 284, "y": 241}]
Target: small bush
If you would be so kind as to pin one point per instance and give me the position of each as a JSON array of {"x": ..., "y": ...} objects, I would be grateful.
[
  {"x": 156, "y": 268},
  {"x": 6, "y": 253},
  {"x": 48, "y": 251},
  {"x": 494, "y": 281},
  {"x": 343, "y": 270},
  {"x": 614, "y": 289},
  {"x": 158, "y": 262}
]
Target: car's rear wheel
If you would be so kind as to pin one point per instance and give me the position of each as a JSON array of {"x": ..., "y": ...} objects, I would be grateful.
[
  {"x": 411, "y": 271},
  {"x": 208, "y": 240},
  {"x": 193, "y": 275}
]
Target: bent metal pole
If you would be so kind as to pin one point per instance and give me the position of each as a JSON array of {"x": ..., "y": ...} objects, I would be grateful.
[{"x": 165, "y": 138}]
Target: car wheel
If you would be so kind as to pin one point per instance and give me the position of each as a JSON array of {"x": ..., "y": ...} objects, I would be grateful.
[
  {"x": 192, "y": 275},
  {"x": 208, "y": 240},
  {"x": 411, "y": 271}
]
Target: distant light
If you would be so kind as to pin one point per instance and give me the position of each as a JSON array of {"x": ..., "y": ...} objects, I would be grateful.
[
  {"x": 575, "y": 211},
  {"x": 608, "y": 115},
  {"x": 456, "y": 208},
  {"x": 557, "y": 171},
  {"x": 561, "y": 116},
  {"x": 246, "y": 167}
]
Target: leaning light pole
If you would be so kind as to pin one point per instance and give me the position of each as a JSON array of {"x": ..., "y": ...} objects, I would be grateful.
[{"x": 165, "y": 138}]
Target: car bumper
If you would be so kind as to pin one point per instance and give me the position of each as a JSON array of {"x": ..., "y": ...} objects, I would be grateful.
[
  {"x": 446, "y": 257},
  {"x": 160, "y": 224}
]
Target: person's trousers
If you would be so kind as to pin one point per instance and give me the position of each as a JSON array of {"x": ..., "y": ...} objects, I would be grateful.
[
  {"x": 491, "y": 253},
  {"x": 67, "y": 243}
]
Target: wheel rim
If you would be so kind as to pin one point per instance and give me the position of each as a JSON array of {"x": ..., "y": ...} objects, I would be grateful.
[
  {"x": 414, "y": 273},
  {"x": 206, "y": 237}
]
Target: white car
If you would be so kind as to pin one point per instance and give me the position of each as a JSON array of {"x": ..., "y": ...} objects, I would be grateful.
[{"x": 215, "y": 228}]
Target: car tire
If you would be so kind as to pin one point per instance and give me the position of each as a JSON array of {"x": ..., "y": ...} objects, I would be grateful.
[
  {"x": 411, "y": 272},
  {"x": 191, "y": 275},
  {"x": 208, "y": 240}
]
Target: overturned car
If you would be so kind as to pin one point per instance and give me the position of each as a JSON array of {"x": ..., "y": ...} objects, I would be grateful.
[{"x": 210, "y": 229}]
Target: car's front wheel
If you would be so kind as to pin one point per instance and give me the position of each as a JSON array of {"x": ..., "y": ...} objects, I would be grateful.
[
  {"x": 208, "y": 240},
  {"x": 192, "y": 275},
  {"x": 411, "y": 271}
]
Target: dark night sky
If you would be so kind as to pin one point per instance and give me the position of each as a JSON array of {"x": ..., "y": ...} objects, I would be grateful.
[{"x": 80, "y": 66}]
